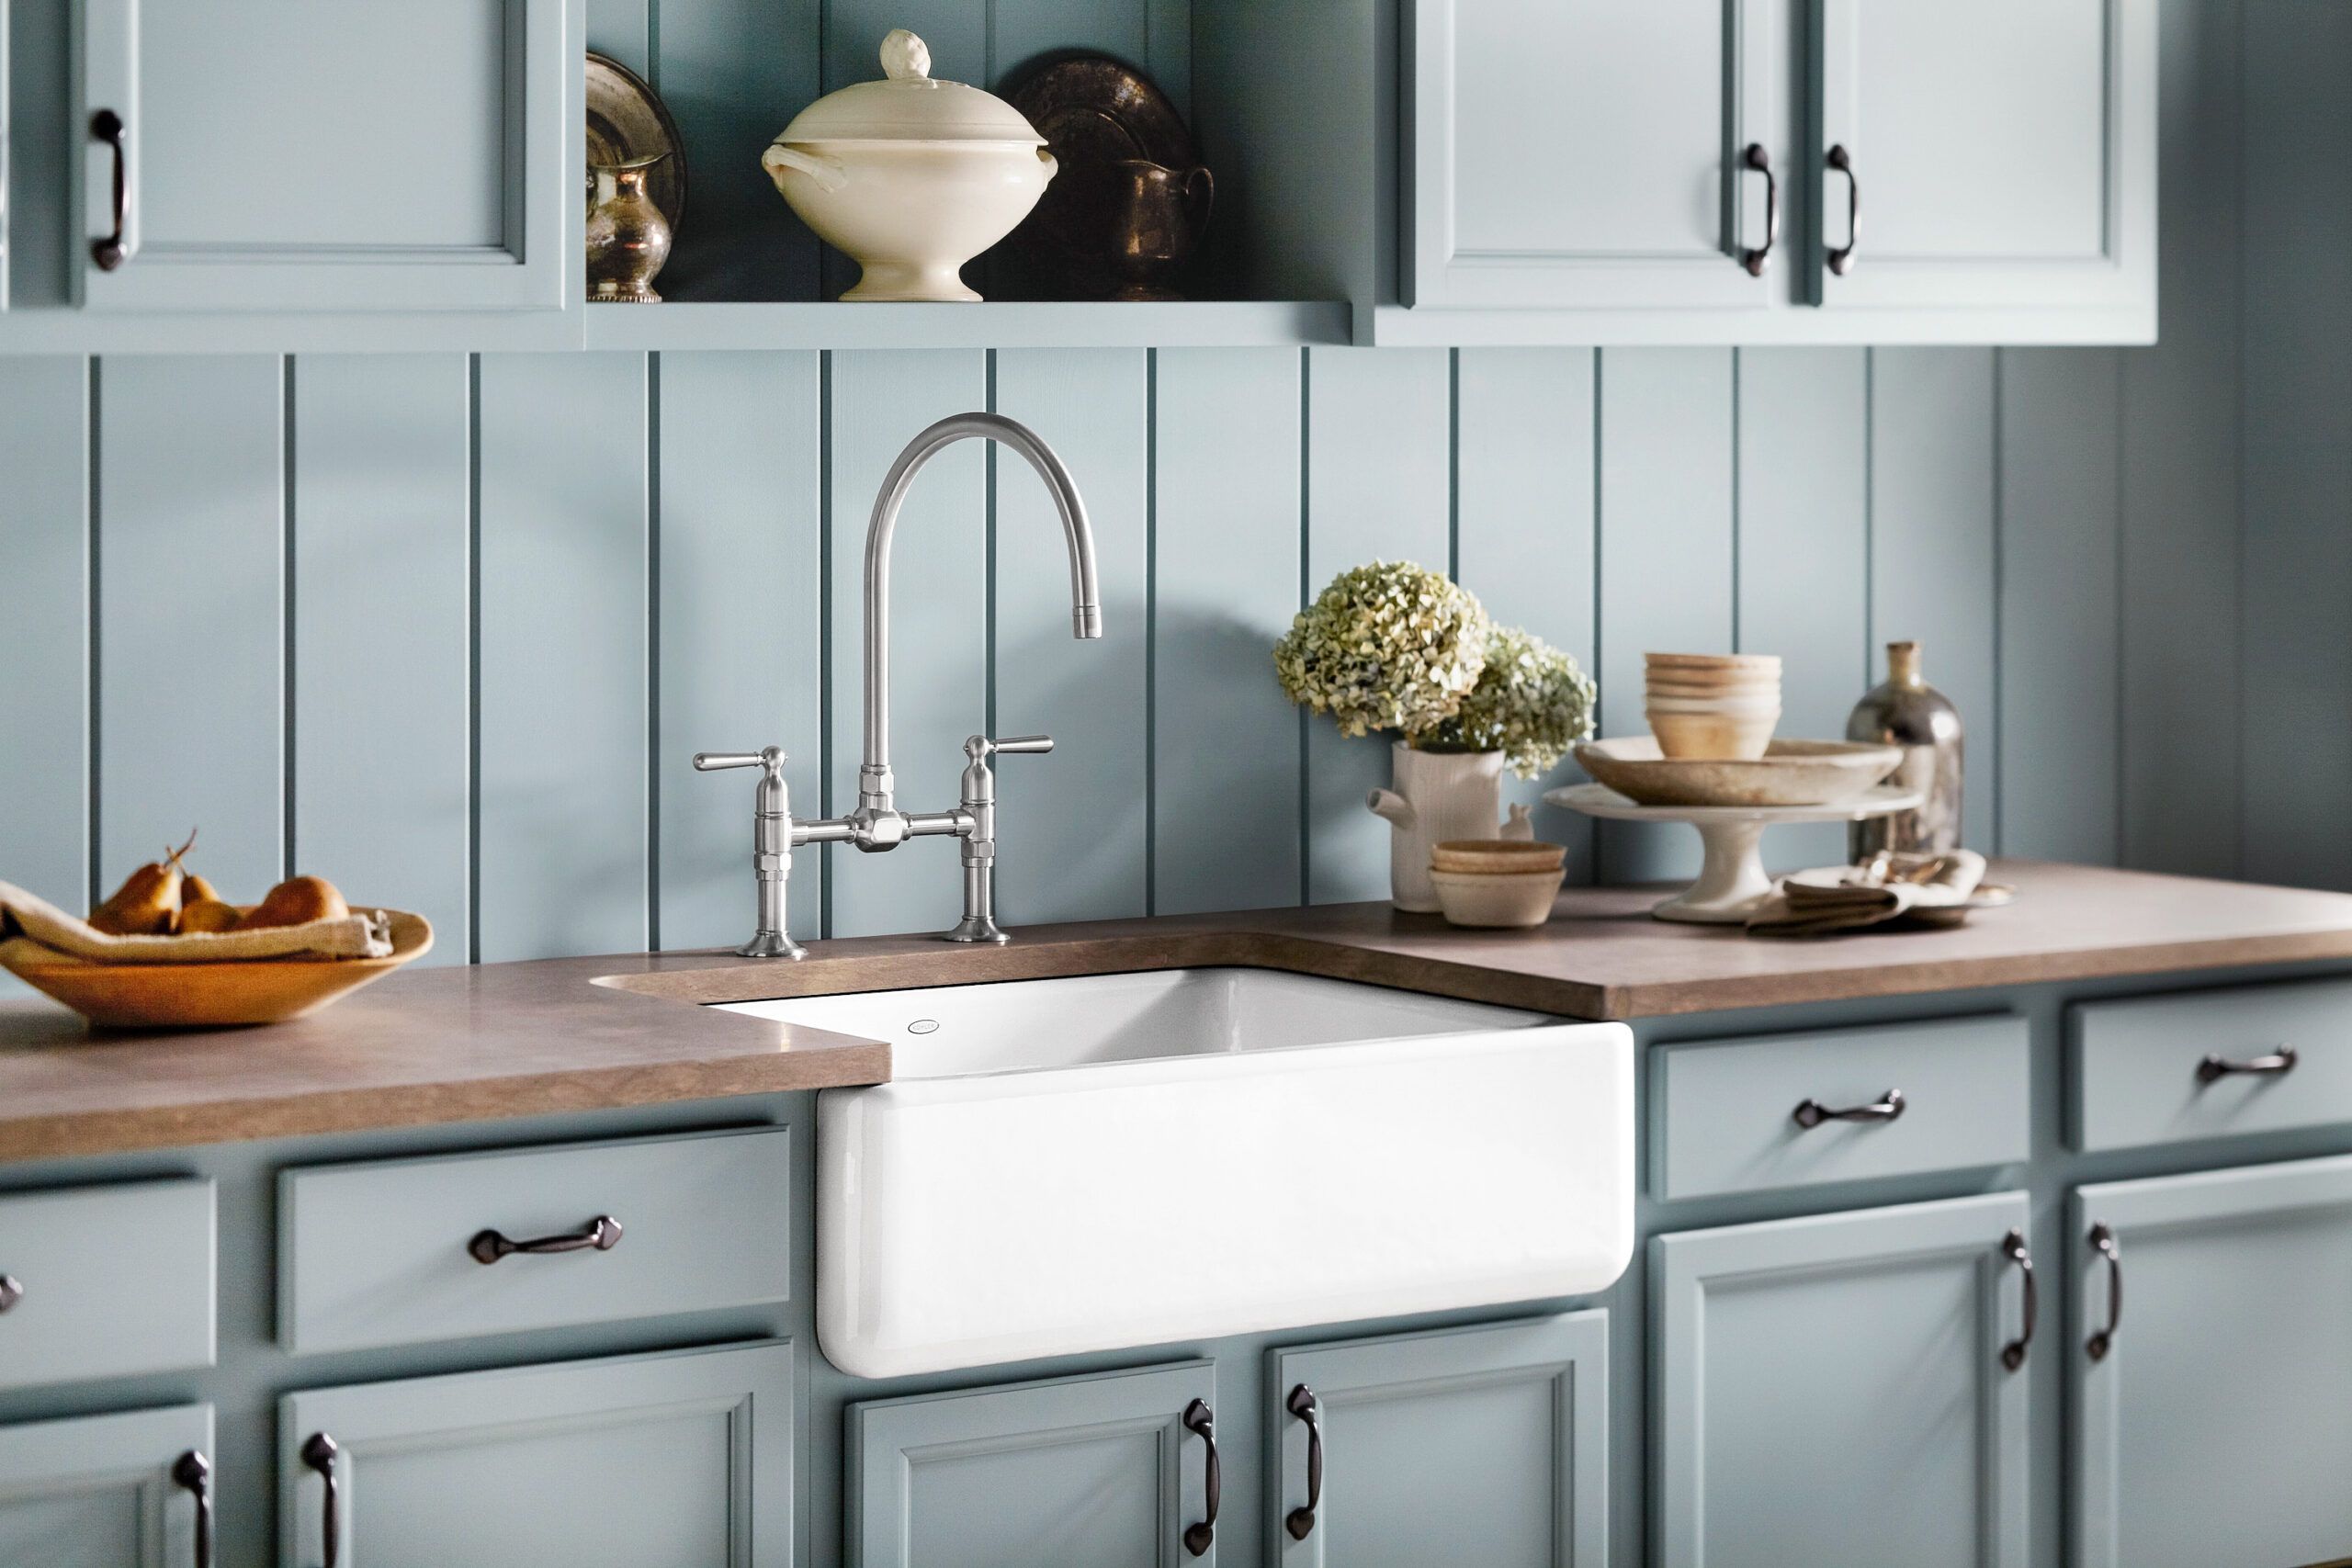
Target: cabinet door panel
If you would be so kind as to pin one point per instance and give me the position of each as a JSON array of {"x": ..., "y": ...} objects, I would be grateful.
[
  {"x": 97, "y": 1491},
  {"x": 2214, "y": 1430},
  {"x": 283, "y": 155},
  {"x": 2005, "y": 152},
  {"x": 1831, "y": 1390},
  {"x": 1476, "y": 1447},
  {"x": 1540, "y": 177},
  {"x": 1099, "y": 1471},
  {"x": 681, "y": 1461}
]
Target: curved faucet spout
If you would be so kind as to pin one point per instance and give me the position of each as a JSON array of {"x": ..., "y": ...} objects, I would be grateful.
[{"x": 875, "y": 786}]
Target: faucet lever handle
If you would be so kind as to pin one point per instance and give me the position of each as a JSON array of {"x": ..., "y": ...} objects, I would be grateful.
[
  {"x": 980, "y": 746},
  {"x": 772, "y": 758}
]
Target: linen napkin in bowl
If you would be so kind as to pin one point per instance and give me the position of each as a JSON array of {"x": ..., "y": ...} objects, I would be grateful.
[
  {"x": 32, "y": 930},
  {"x": 1851, "y": 897}
]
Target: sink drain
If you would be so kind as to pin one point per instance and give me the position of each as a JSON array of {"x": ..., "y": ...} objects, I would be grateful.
[{"x": 923, "y": 1026}]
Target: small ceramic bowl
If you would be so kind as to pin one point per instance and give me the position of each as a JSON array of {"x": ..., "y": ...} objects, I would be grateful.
[
  {"x": 1498, "y": 899},
  {"x": 1703, "y": 685},
  {"x": 1709, "y": 662},
  {"x": 1489, "y": 857},
  {"x": 1720, "y": 736}
]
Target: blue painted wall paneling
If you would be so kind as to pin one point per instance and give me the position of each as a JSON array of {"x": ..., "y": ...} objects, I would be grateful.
[{"x": 45, "y": 605}]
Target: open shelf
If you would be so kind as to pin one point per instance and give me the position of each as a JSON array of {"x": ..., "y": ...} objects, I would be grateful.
[{"x": 992, "y": 324}]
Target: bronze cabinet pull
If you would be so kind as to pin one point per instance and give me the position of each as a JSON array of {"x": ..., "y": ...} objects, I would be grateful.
[
  {"x": 1301, "y": 1404},
  {"x": 1841, "y": 258},
  {"x": 318, "y": 1452},
  {"x": 192, "y": 1473},
  {"x": 1887, "y": 1107},
  {"x": 1759, "y": 161},
  {"x": 603, "y": 1233},
  {"x": 2102, "y": 1240},
  {"x": 2278, "y": 1064},
  {"x": 2013, "y": 1247},
  {"x": 1199, "y": 1420},
  {"x": 11, "y": 1291},
  {"x": 111, "y": 252}
]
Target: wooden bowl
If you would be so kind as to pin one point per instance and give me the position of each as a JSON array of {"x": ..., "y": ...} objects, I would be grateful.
[
  {"x": 1791, "y": 772},
  {"x": 211, "y": 995},
  {"x": 1495, "y": 857}
]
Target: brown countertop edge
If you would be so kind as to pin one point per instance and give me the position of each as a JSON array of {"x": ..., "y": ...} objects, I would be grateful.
[{"x": 503, "y": 1040}]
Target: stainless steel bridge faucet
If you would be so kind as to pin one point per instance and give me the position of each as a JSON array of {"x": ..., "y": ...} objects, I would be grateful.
[{"x": 878, "y": 824}]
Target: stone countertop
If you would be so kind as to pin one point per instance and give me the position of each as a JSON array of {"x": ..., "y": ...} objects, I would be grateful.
[{"x": 501, "y": 1040}]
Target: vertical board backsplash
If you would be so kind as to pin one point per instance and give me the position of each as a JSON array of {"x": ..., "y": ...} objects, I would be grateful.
[{"x": 449, "y": 628}]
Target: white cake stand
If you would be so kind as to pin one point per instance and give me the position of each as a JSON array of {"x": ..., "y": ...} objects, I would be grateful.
[{"x": 1732, "y": 880}]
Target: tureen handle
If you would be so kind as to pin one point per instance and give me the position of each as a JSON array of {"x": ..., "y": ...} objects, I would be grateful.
[
  {"x": 905, "y": 58},
  {"x": 823, "y": 167}
]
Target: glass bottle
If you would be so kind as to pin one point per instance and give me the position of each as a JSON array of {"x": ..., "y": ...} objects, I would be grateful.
[{"x": 1909, "y": 713}]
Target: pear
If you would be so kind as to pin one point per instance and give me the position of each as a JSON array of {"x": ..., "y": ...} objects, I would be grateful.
[
  {"x": 297, "y": 902},
  {"x": 148, "y": 901},
  {"x": 195, "y": 890},
  {"x": 208, "y": 915}
]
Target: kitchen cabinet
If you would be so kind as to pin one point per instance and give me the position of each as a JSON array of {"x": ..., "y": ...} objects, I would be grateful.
[
  {"x": 1478, "y": 1448},
  {"x": 119, "y": 1491},
  {"x": 282, "y": 156},
  {"x": 1115, "y": 1471},
  {"x": 1997, "y": 155},
  {"x": 671, "y": 1461},
  {"x": 2210, "y": 1423},
  {"x": 1846, "y": 1389},
  {"x": 1589, "y": 153}
]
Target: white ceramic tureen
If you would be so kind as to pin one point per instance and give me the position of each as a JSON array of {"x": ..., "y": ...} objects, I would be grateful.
[{"x": 912, "y": 177}]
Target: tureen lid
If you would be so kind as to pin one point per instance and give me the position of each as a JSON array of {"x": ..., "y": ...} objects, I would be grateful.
[{"x": 909, "y": 106}]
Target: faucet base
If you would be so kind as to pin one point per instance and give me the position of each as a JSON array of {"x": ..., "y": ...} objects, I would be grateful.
[
  {"x": 976, "y": 928},
  {"x": 771, "y": 944}
]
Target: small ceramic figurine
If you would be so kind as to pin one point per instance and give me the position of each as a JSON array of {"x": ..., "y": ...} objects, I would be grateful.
[{"x": 627, "y": 237}]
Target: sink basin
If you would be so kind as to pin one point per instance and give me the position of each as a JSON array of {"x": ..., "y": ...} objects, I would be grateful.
[{"x": 1071, "y": 1165}]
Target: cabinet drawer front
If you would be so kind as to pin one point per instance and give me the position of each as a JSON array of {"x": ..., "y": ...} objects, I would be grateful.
[
  {"x": 383, "y": 1253},
  {"x": 2137, "y": 1067},
  {"x": 106, "y": 1491},
  {"x": 109, "y": 1281},
  {"x": 1727, "y": 1111},
  {"x": 683, "y": 1460}
]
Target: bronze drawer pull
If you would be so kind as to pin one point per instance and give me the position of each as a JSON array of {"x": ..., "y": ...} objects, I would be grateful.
[
  {"x": 2013, "y": 1247},
  {"x": 2102, "y": 1239},
  {"x": 1841, "y": 257},
  {"x": 604, "y": 1233},
  {"x": 192, "y": 1473},
  {"x": 105, "y": 126},
  {"x": 1813, "y": 1113},
  {"x": 1756, "y": 159},
  {"x": 11, "y": 1292},
  {"x": 318, "y": 1452},
  {"x": 1199, "y": 1420},
  {"x": 1301, "y": 1404},
  {"x": 2277, "y": 1065}
]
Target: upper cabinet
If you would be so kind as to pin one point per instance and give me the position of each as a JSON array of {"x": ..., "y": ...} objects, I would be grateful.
[{"x": 1768, "y": 171}]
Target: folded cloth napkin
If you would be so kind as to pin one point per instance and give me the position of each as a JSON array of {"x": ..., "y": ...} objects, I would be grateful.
[
  {"x": 35, "y": 930},
  {"x": 1851, "y": 898}
]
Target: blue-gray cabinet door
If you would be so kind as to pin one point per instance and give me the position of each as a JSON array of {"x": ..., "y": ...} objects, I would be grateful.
[
  {"x": 1474, "y": 1448},
  {"x": 1105, "y": 1471},
  {"x": 2003, "y": 155},
  {"x": 1586, "y": 152},
  {"x": 674, "y": 1460},
  {"x": 2215, "y": 1425},
  {"x": 121, "y": 1491},
  {"x": 1837, "y": 1390},
  {"x": 285, "y": 156}
]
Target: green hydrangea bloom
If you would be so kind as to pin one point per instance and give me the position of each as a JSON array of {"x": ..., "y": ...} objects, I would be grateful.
[
  {"x": 1388, "y": 645},
  {"x": 1532, "y": 703}
]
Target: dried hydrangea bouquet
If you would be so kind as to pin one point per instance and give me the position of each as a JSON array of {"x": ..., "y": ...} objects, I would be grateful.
[{"x": 1393, "y": 647}]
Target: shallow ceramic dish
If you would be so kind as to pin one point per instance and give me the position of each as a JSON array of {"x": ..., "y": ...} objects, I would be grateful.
[
  {"x": 1791, "y": 772},
  {"x": 203, "y": 995},
  {"x": 628, "y": 123},
  {"x": 1498, "y": 899}
]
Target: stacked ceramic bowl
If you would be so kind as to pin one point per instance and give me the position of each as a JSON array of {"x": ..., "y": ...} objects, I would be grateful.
[
  {"x": 1721, "y": 706},
  {"x": 1497, "y": 882}
]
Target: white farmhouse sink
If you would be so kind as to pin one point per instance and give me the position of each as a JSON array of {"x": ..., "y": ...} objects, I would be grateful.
[{"x": 1074, "y": 1165}]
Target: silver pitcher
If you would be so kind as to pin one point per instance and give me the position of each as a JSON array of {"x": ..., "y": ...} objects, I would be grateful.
[{"x": 1909, "y": 713}]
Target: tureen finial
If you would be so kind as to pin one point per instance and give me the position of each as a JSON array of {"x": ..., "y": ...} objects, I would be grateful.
[{"x": 905, "y": 58}]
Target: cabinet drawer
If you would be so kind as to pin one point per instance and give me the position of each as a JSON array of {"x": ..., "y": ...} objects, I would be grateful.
[
  {"x": 109, "y": 1281},
  {"x": 2138, "y": 1068},
  {"x": 390, "y": 1252},
  {"x": 1727, "y": 1111}
]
